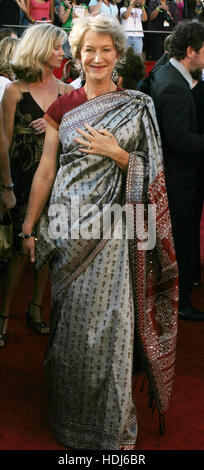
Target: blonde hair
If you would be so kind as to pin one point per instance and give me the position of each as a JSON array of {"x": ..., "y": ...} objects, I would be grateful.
[
  {"x": 35, "y": 49},
  {"x": 102, "y": 24},
  {"x": 7, "y": 49}
]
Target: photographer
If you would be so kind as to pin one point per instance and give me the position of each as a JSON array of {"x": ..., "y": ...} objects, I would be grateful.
[
  {"x": 70, "y": 10},
  {"x": 132, "y": 15},
  {"x": 163, "y": 16},
  {"x": 103, "y": 6}
]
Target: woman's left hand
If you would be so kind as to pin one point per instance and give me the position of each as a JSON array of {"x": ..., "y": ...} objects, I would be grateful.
[
  {"x": 38, "y": 125},
  {"x": 103, "y": 143},
  {"x": 100, "y": 142}
]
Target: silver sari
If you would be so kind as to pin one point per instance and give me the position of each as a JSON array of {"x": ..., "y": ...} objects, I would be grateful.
[{"x": 101, "y": 306}]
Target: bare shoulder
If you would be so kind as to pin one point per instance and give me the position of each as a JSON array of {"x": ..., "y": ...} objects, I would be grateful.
[{"x": 12, "y": 92}]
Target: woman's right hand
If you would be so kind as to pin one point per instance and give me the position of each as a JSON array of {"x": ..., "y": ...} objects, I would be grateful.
[
  {"x": 39, "y": 125},
  {"x": 29, "y": 248}
]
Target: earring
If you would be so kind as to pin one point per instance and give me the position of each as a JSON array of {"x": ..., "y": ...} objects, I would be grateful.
[
  {"x": 115, "y": 74},
  {"x": 82, "y": 75}
]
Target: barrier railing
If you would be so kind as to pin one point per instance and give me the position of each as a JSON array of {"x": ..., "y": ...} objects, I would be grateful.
[{"x": 23, "y": 27}]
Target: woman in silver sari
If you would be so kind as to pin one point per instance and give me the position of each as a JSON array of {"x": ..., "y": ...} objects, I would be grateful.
[{"x": 114, "y": 288}]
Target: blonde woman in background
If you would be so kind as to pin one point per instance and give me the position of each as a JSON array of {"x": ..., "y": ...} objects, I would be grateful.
[
  {"x": 7, "y": 48},
  {"x": 24, "y": 104}
]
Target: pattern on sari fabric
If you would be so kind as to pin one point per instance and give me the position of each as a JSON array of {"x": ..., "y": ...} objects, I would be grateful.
[
  {"x": 155, "y": 293},
  {"x": 119, "y": 112},
  {"x": 155, "y": 274}
]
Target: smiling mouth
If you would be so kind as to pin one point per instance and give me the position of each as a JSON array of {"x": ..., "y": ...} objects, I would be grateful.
[{"x": 98, "y": 67}]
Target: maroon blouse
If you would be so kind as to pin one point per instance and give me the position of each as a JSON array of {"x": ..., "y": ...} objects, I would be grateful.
[{"x": 65, "y": 103}]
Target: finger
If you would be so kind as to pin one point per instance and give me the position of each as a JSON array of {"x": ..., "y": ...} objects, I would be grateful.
[
  {"x": 39, "y": 130},
  {"x": 82, "y": 142},
  {"x": 92, "y": 131},
  {"x": 36, "y": 121},
  {"x": 105, "y": 132},
  {"x": 86, "y": 150},
  {"x": 32, "y": 254},
  {"x": 84, "y": 134},
  {"x": 36, "y": 127},
  {"x": 41, "y": 122}
]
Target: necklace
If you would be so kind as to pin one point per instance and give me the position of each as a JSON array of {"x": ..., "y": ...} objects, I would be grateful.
[{"x": 134, "y": 16}]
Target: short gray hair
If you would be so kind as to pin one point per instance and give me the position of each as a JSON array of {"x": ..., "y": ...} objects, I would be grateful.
[{"x": 101, "y": 24}]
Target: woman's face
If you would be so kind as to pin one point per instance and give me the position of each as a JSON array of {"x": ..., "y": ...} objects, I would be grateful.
[
  {"x": 56, "y": 57},
  {"x": 98, "y": 56}
]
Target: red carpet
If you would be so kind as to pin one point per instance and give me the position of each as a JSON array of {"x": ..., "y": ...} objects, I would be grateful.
[{"x": 24, "y": 414}]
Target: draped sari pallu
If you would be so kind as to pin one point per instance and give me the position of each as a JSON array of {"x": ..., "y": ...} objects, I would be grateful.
[{"x": 125, "y": 298}]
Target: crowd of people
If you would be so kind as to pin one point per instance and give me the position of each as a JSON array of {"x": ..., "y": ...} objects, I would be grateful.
[
  {"x": 147, "y": 22},
  {"x": 73, "y": 149}
]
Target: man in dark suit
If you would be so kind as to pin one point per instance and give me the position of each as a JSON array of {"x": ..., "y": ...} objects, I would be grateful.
[{"x": 171, "y": 91}]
